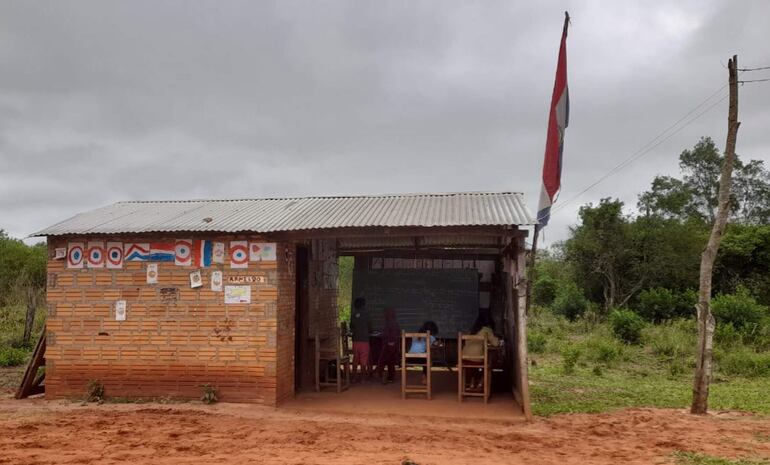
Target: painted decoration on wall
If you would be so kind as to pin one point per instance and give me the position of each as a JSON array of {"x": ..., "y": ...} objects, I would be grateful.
[
  {"x": 202, "y": 253},
  {"x": 196, "y": 280},
  {"x": 216, "y": 281},
  {"x": 59, "y": 253},
  {"x": 95, "y": 254},
  {"x": 75, "y": 254},
  {"x": 184, "y": 252},
  {"x": 262, "y": 251},
  {"x": 162, "y": 252},
  {"x": 218, "y": 252},
  {"x": 239, "y": 254},
  {"x": 237, "y": 294},
  {"x": 152, "y": 273},
  {"x": 136, "y": 252},
  {"x": 114, "y": 255},
  {"x": 120, "y": 310}
]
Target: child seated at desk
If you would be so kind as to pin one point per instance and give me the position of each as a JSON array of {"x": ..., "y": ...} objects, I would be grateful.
[
  {"x": 484, "y": 326},
  {"x": 418, "y": 344}
]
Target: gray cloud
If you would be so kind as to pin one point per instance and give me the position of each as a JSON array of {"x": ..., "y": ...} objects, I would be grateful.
[{"x": 106, "y": 101}]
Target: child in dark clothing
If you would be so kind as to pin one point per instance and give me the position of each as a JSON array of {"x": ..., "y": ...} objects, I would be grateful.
[{"x": 389, "y": 353}]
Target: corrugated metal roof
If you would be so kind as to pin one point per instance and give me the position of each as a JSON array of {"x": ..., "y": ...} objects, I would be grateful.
[{"x": 295, "y": 214}]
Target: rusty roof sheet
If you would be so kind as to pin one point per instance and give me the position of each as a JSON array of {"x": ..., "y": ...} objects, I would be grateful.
[{"x": 297, "y": 214}]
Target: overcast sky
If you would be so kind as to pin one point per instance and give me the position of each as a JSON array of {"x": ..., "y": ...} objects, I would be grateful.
[{"x": 106, "y": 101}]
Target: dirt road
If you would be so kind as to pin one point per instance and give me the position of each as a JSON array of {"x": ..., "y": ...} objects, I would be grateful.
[{"x": 40, "y": 432}]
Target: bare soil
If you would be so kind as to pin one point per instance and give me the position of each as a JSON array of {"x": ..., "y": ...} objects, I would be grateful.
[{"x": 36, "y": 431}]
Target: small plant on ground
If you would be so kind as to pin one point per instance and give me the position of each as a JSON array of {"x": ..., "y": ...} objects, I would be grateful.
[
  {"x": 536, "y": 342},
  {"x": 12, "y": 356},
  {"x": 604, "y": 349},
  {"x": 209, "y": 394},
  {"x": 95, "y": 391},
  {"x": 571, "y": 355},
  {"x": 626, "y": 325}
]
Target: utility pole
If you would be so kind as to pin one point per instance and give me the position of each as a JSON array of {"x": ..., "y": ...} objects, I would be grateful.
[{"x": 706, "y": 323}]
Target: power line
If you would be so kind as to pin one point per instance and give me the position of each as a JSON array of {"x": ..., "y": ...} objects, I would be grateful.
[
  {"x": 754, "y": 69},
  {"x": 652, "y": 144},
  {"x": 754, "y": 80}
]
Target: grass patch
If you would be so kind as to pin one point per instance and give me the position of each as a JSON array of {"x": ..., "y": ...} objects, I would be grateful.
[
  {"x": 691, "y": 458},
  {"x": 12, "y": 356},
  {"x": 609, "y": 375}
]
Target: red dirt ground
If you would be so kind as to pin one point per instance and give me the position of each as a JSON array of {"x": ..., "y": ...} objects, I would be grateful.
[{"x": 40, "y": 432}]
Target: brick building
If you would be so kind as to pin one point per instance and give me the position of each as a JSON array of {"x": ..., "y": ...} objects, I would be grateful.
[{"x": 157, "y": 298}]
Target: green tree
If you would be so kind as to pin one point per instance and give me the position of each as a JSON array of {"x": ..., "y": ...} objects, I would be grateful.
[
  {"x": 694, "y": 196},
  {"x": 22, "y": 277},
  {"x": 601, "y": 250},
  {"x": 744, "y": 260}
]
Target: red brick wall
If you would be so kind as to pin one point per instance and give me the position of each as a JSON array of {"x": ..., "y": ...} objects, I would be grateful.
[
  {"x": 285, "y": 310},
  {"x": 162, "y": 349}
]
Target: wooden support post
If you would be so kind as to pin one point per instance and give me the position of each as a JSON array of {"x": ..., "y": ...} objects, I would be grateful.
[
  {"x": 706, "y": 322},
  {"x": 31, "y": 384},
  {"x": 514, "y": 266},
  {"x": 520, "y": 311}
]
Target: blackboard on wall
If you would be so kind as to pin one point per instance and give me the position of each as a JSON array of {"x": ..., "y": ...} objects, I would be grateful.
[{"x": 449, "y": 297}]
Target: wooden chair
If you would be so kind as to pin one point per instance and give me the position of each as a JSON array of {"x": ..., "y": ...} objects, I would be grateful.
[
  {"x": 419, "y": 360},
  {"x": 332, "y": 361},
  {"x": 464, "y": 361}
]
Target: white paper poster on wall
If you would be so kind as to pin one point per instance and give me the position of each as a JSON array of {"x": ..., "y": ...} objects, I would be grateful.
[
  {"x": 114, "y": 253},
  {"x": 120, "y": 310},
  {"x": 239, "y": 254},
  {"x": 216, "y": 281},
  {"x": 75, "y": 254},
  {"x": 152, "y": 273},
  {"x": 60, "y": 253},
  {"x": 95, "y": 254},
  {"x": 237, "y": 294},
  {"x": 218, "y": 252},
  {"x": 195, "y": 279}
]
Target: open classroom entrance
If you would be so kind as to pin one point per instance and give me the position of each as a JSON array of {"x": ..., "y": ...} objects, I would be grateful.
[{"x": 449, "y": 280}]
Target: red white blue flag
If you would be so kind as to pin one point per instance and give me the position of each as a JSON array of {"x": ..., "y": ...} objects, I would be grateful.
[
  {"x": 202, "y": 253},
  {"x": 558, "y": 120}
]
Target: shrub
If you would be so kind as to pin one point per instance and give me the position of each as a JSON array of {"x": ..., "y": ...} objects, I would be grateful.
[
  {"x": 673, "y": 339},
  {"x": 571, "y": 355},
  {"x": 604, "y": 349},
  {"x": 209, "y": 394},
  {"x": 544, "y": 290},
  {"x": 12, "y": 356},
  {"x": 95, "y": 391},
  {"x": 739, "y": 309},
  {"x": 745, "y": 363},
  {"x": 727, "y": 336},
  {"x": 570, "y": 302},
  {"x": 660, "y": 304},
  {"x": 657, "y": 304},
  {"x": 536, "y": 342},
  {"x": 626, "y": 325}
]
